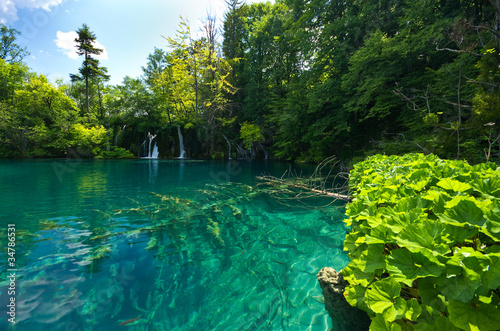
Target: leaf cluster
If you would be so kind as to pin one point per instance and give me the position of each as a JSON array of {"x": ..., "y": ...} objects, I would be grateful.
[{"x": 424, "y": 243}]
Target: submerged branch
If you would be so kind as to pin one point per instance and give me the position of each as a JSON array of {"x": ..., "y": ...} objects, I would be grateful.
[
  {"x": 297, "y": 188},
  {"x": 274, "y": 181}
]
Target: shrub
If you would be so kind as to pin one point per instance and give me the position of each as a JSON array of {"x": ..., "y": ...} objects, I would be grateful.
[{"x": 424, "y": 243}]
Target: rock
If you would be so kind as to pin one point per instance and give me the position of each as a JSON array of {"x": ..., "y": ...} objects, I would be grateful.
[{"x": 343, "y": 315}]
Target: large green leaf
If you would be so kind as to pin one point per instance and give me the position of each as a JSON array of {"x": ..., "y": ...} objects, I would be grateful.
[
  {"x": 425, "y": 234},
  {"x": 372, "y": 259},
  {"x": 381, "y": 234},
  {"x": 382, "y": 294},
  {"x": 440, "y": 323},
  {"x": 355, "y": 296},
  {"x": 439, "y": 199},
  {"x": 461, "y": 278},
  {"x": 454, "y": 185},
  {"x": 379, "y": 323},
  {"x": 355, "y": 275},
  {"x": 474, "y": 316},
  {"x": 489, "y": 188},
  {"x": 406, "y": 266},
  {"x": 493, "y": 223},
  {"x": 491, "y": 277},
  {"x": 429, "y": 293},
  {"x": 413, "y": 311},
  {"x": 458, "y": 233},
  {"x": 463, "y": 212},
  {"x": 396, "y": 311}
]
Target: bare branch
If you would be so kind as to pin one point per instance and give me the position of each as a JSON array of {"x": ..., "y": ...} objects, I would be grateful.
[
  {"x": 291, "y": 187},
  {"x": 460, "y": 51}
]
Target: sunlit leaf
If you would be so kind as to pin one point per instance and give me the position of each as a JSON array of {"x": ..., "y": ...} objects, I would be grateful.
[
  {"x": 406, "y": 266},
  {"x": 453, "y": 185},
  {"x": 414, "y": 309},
  {"x": 382, "y": 294},
  {"x": 474, "y": 316},
  {"x": 428, "y": 234},
  {"x": 465, "y": 211}
]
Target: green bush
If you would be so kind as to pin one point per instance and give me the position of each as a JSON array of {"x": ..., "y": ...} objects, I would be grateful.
[
  {"x": 115, "y": 153},
  {"x": 250, "y": 133},
  {"x": 424, "y": 243}
]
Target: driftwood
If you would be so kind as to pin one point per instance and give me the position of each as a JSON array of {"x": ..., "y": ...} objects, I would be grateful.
[
  {"x": 279, "y": 181},
  {"x": 291, "y": 189},
  {"x": 343, "y": 315}
]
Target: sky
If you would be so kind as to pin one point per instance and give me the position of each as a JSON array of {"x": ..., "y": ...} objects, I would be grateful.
[{"x": 127, "y": 30}]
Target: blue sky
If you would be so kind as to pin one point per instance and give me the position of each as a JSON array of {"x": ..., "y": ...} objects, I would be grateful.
[{"x": 127, "y": 30}]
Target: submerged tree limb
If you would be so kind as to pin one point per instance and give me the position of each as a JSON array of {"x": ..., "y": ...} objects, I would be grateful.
[
  {"x": 274, "y": 181},
  {"x": 293, "y": 187}
]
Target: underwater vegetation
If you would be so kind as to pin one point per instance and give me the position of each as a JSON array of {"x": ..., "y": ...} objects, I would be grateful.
[{"x": 222, "y": 257}]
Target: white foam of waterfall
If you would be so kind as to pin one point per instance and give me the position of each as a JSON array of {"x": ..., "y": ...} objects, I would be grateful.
[
  {"x": 182, "y": 153},
  {"x": 228, "y": 147}
]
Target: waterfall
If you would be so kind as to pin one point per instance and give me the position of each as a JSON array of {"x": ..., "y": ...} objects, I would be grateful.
[
  {"x": 228, "y": 147},
  {"x": 151, "y": 153},
  {"x": 266, "y": 155},
  {"x": 151, "y": 137},
  {"x": 182, "y": 154},
  {"x": 242, "y": 152},
  {"x": 154, "y": 153}
]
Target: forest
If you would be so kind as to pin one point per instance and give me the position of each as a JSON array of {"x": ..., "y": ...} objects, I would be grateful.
[{"x": 294, "y": 80}]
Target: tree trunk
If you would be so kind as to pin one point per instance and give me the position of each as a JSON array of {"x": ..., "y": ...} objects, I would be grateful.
[{"x": 87, "y": 87}]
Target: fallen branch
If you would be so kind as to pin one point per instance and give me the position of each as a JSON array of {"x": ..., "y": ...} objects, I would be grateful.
[{"x": 283, "y": 182}]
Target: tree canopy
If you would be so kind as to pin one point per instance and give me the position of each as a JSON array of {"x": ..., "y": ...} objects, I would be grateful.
[
  {"x": 308, "y": 79},
  {"x": 10, "y": 51}
]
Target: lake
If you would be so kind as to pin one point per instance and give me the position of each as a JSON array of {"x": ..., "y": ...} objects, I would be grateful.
[{"x": 162, "y": 245}]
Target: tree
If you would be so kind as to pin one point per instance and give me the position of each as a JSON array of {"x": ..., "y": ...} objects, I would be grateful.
[
  {"x": 90, "y": 67},
  {"x": 9, "y": 50},
  {"x": 39, "y": 122}
]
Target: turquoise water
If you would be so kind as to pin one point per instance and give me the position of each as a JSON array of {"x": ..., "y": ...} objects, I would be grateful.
[{"x": 162, "y": 245}]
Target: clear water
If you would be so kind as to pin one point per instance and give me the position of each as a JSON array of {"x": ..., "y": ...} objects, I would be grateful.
[{"x": 162, "y": 245}]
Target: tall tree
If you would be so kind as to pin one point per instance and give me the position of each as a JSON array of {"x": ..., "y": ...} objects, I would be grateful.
[
  {"x": 10, "y": 51},
  {"x": 234, "y": 33},
  {"x": 90, "y": 67}
]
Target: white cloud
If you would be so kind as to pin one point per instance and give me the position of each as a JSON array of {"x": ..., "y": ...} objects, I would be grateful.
[
  {"x": 104, "y": 54},
  {"x": 8, "y": 8},
  {"x": 8, "y": 11},
  {"x": 66, "y": 43}
]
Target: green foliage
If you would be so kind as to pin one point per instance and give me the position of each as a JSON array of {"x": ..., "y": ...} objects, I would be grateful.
[
  {"x": 250, "y": 133},
  {"x": 10, "y": 51},
  {"x": 88, "y": 140},
  {"x": 115, "y": 153},
  {"x": 37, "y": 119},
  {"x": 423, "y": 241},
  {"x": 90, "y": 69}
]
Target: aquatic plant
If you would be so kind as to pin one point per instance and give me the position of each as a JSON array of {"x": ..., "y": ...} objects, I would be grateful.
[{"x": 423, "y": 240}]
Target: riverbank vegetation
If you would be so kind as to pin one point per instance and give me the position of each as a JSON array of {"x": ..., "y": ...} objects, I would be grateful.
[
  {"x": 423, "y": 243},
  {"x": 294, "y": 80}
]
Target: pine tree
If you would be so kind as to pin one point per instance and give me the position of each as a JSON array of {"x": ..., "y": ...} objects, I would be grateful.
[{"x": 90, "y": 68}]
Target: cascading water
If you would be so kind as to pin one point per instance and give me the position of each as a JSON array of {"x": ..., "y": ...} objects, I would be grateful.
[
  {"x": 242, "y": 152},
  {"x": 151, "y": 153},
  {"x": 182, "y": 154},
  {"x": 266, "y": 155},
  {"x": 154, "y": 153},
  {"x": 228, "y": 147}
]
